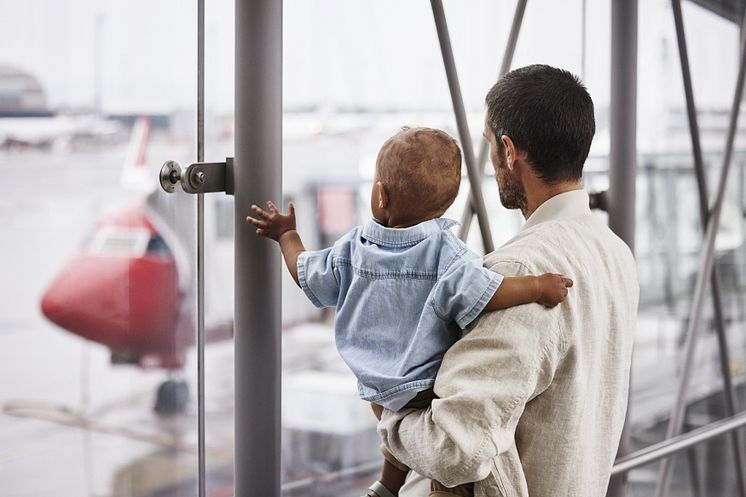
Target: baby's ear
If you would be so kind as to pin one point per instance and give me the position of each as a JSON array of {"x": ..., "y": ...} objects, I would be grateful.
[{"x": 383, "y": 196}]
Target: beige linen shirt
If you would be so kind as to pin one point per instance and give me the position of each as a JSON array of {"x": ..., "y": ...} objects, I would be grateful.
[{"x": 532, "y": 400}]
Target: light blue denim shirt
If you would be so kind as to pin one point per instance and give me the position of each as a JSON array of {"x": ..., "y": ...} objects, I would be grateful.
[{"x": 401, "y": 295}]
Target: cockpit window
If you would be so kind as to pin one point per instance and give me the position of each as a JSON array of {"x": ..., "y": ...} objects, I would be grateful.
[
  {"x": 112, "y": 240},
  {"x": 157, "y": 246}
]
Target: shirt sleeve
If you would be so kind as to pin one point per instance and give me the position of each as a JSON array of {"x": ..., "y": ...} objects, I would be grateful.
[
  {"x": 484, "y": 383},
  {"x": 318, "y": 277},
  {"x": 465, "y": 288}
]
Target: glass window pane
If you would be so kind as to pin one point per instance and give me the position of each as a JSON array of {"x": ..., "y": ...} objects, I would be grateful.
[{"x": 96, "y": 299}]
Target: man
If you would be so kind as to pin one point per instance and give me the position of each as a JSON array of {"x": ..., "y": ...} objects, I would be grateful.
[{"x": 532, "y": 400}]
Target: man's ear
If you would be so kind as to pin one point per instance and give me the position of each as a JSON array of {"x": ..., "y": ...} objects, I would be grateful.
[
  {"x": 383, "y": 196},
  {"x": 511, "y": 153}
]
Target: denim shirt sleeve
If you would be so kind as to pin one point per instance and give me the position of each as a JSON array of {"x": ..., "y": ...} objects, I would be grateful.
[
  {"x": 318, "y": 277},
  {"x": 465, "y": 288}
]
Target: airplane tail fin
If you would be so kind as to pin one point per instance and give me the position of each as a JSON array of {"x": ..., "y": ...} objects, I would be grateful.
[{"x": 136, "y": 174}]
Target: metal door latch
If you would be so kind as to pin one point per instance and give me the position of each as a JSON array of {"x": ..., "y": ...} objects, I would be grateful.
[{"x": 200, "y": 177}]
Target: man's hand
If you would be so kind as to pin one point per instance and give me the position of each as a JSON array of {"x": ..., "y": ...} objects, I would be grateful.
[
  {"x": 273, "y": 224},
  {"x": 552, "y": 288}
]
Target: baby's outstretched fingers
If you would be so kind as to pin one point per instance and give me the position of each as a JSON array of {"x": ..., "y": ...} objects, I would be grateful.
[
  {"x": 256, "y": 222},
  {"x": 261, "y": 212},
  {"x": 568, "y": 281},
  {"x": 272, "y": 223}
]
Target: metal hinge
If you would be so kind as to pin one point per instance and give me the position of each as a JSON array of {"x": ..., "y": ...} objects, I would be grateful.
[
  {"x": 200, "y": 177},
  {"x": 599, "y": 200}
]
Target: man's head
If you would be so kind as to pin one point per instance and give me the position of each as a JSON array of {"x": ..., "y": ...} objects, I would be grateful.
[
  {"x": 418, "y": 173},
  {"x": 542, "y": 116}
]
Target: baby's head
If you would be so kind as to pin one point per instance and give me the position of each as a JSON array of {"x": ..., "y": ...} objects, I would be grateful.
[{"x": 418, "y": 173}]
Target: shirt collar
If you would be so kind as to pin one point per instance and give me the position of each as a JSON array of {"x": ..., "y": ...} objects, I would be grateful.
[
  {"x": 566, "y": 205},
  {"x": 404, "y": 237}
]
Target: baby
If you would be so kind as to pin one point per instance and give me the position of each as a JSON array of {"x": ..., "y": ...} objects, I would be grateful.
[{"x": 403, "y": 285}]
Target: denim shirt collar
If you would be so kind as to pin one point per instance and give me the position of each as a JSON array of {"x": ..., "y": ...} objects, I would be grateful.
[{"x": 405, "y": 237}]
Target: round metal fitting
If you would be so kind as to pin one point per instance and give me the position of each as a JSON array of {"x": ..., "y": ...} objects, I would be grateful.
[{"x": 170, "y": 176}]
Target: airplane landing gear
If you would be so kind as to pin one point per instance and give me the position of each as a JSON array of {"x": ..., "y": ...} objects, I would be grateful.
[{"x": 172, "y": 397}]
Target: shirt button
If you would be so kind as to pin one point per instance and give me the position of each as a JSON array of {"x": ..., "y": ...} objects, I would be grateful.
[{"x": 493, "y": 491}]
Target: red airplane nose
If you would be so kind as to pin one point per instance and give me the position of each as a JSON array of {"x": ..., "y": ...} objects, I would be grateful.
[{"x": 129, "y": 304}]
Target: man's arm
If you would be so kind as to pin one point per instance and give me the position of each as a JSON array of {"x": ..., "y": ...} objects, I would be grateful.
[{"x": 483, "y": 385}]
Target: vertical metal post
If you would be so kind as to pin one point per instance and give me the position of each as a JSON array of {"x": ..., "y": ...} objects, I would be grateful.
[
  {"x": 257, "y": 178},
  {"x": 583, "y": 36},
  {"x": 704, "y": 211},
  {"x": 694, "y": 478},
  {"x": 623, "y": 150},
  {"x": 201, "y": 452},
  {"x": 623, "y": 120},
  {"x": 484, "y": 147},
  {"x": 706, "y": 266},
  {"x": 463, "y": 126}
]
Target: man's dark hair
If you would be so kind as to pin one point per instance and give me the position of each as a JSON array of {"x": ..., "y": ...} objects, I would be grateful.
[{"x": 548, "y": 114}]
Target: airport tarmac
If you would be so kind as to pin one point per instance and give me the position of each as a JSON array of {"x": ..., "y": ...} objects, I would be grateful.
[{"x": 74, "y": 425}]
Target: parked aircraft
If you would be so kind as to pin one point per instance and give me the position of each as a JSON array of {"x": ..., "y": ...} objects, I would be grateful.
[
  {"x": 131, "y": 285},
  {"x": 128, "y": 286},
  {"x": 52, "y": 131}
]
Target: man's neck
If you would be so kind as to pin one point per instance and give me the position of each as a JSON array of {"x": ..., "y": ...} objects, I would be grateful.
[{"x": 539, "y": 192}]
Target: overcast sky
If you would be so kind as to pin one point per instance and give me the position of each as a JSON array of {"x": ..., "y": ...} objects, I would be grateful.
[{"x": 361, "y": 53}]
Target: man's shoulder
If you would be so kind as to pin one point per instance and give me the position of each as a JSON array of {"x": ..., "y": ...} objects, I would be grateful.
[
  {"x": 520, "y": 255},
  {"x": 545, "y": 246}
]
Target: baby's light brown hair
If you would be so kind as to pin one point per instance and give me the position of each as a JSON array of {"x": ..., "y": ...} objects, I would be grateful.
[{"x": 420, "y": 169}]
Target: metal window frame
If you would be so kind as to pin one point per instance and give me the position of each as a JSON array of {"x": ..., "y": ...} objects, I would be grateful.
[
  {"x": 677, "y": 418},
  {"x": 257, "y": 174},
  {"x": 674, "y": 442},
  {"x": 473, "y": 169},
  {"x": 515, "y": 30}
]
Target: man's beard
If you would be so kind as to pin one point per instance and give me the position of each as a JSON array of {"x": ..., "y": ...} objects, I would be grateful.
[{"x": 512, "y": 195}]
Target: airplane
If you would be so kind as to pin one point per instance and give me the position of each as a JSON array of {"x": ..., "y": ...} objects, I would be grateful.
[
  {"x": 130, "y": 286},
  {"x": 53, "y": 131}
]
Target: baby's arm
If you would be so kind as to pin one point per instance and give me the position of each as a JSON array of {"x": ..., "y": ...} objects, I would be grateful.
[
  {"x": 547, "y": 289},
  {"x": 280, "y": 228}
]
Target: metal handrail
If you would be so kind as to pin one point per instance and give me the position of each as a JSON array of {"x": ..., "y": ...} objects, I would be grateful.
[{"x": 678, "y": 443}]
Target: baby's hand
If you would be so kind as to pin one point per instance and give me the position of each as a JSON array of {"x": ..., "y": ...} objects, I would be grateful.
[
  {"x": 552, "y": 288},
  {"x": 273, "y": 224}
]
